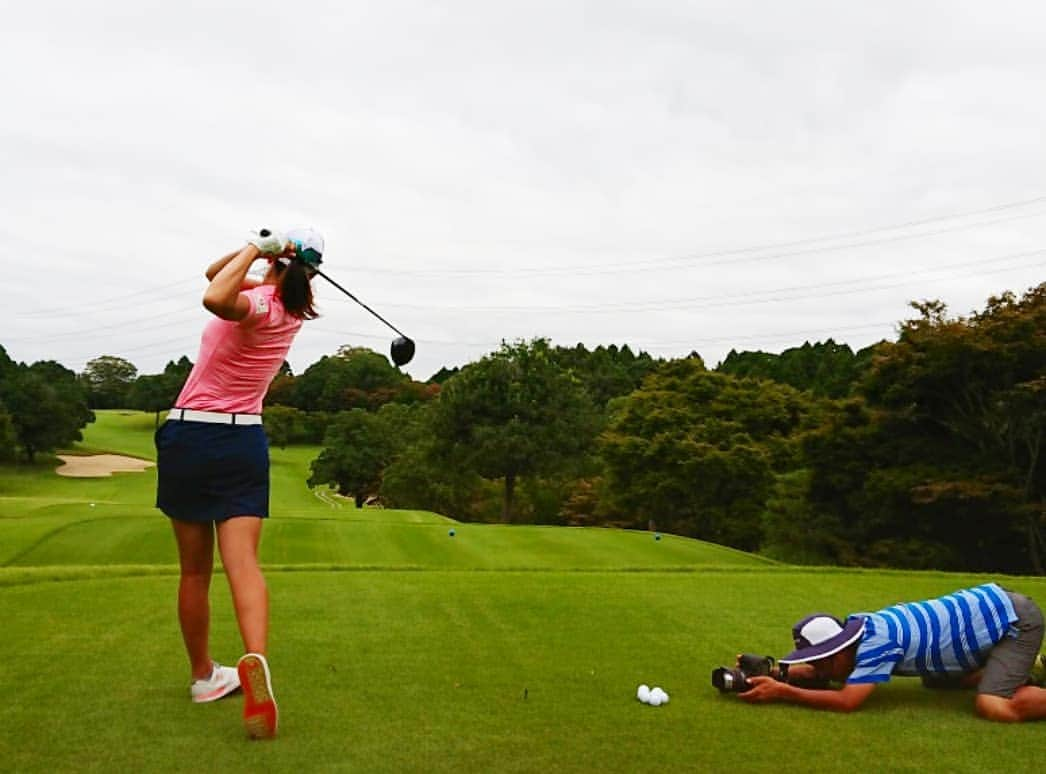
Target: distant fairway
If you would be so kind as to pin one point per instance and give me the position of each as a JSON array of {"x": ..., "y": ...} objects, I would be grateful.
[
  {"x": 49, "y": 520},
  {"x": 396, "y": 647}
]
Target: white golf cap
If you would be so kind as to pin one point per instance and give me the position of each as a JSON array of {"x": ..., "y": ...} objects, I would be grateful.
[
  {"x": 307, "y": 240},
  {"x": 820, "y": 635}
]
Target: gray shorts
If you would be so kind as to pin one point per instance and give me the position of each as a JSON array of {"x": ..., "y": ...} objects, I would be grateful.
[{"x": 1010, "y": 661}]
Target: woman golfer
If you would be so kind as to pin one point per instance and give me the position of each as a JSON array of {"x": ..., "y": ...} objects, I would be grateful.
[{"x": 213, "y": 457}]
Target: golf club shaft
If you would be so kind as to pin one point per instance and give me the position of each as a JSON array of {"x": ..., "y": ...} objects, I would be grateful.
[{"x": 343, "y": 290}]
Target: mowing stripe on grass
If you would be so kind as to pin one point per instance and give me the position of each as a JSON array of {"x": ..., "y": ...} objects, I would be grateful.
[{"x": 456, "y": 671}]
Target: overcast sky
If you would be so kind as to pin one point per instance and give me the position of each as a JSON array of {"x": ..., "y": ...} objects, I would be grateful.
[{"x": 672, "y": 175}]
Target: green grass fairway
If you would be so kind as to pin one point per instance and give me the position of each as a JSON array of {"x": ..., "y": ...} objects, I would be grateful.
[
  {"x": 396, "y": 647},
  {"x": 49, "y": 521}
]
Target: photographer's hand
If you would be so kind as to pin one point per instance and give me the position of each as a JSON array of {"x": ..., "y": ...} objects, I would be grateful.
[
  {"x": 775, "y": 670},
  {"x": 764, "y": 689}
]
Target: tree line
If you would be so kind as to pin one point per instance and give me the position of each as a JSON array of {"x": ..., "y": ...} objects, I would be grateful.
[
  {"x": 43, "y": 407},
  {"x": 924, "y": 452}
]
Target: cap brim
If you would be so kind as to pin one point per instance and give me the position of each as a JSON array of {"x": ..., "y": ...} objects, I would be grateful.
[{"x": 852, "y": 631}]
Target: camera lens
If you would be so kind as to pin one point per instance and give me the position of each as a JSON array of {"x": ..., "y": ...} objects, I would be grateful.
[{"x": 729, "y": 680}]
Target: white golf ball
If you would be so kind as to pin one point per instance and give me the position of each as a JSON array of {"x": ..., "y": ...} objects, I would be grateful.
[
  {"x": 643, "y": 693},
  {"x": 92, "y": 505},
  {"x": 655, "y": 699},
  {"x": 660, "y": 693}
]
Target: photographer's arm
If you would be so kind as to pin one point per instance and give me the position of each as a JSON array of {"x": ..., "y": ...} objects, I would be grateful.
[
  {"x": 847, "y": 699},
  {"x": 805, "y": 676}
]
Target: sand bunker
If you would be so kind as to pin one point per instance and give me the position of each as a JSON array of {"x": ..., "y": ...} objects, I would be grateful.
[{"x": 98, "y": 465}]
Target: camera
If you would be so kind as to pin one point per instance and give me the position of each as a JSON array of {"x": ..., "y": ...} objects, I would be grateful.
[{"x": 735, "y": 680}]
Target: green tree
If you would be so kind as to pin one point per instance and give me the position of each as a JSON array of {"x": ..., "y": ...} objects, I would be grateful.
[
  {"x": 825, "y": 369},
  {"x": 868, "y": 467},
  {"x": 977, "y": 386},
  {"x": 355, "y": 454},
  {"x": 7, "y": 365},
  {"x": 418, "y": 475},
  {"x": 696, "y": 451},
  {"x": 795, "y": 531},
  {"x": 285, "y": 425},
  {"x": 175, "y": 374},
  {"x": 159, "y": 392},
  {"x": 513, "y": 414},
  {"x": 607, "y": 371},
  {"x": 355, "y": 377},
  {"x": 47, "y": 406},
  {"x": 443, "y": 374},
  {"x": 151, "y": 393},
  {"x": 8, "y": 436},
  {"x": 281, "y": 390},
  {"x": 108, "y": 380},
  {"x": 940, "y": 464}
]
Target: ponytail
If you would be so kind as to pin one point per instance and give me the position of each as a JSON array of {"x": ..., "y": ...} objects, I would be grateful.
[{"x": 295, "y": 289}]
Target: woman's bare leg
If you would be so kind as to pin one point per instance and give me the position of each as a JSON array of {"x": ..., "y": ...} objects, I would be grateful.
[
  {"x": 238, "y": 539},
  {"x": 196, "y": 557}
]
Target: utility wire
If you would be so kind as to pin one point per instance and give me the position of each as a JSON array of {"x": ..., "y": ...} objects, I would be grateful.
[
  {"x": 653, "y": 304},
  {"x": 88, "y": 330},
  {"x": 725, "y": 256},
  {"x": 355, "y": 334},
  {"x": 753, "y": 298},
  {"x": 78, "y": 309},
  {"x": 741, "y": 254},
  {"x": 818, "y": 333}
]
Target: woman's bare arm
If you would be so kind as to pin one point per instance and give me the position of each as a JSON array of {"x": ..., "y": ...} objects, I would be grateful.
[
  {"x": 223, "y": 297},
  {"x": 217, "y": 266}
]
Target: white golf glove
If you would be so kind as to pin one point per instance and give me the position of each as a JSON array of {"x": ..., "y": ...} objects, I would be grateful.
[{"x": 268, "y": 242}]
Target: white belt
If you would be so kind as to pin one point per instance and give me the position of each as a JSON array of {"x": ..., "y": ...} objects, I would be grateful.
[{"x": 216, "y": 417}]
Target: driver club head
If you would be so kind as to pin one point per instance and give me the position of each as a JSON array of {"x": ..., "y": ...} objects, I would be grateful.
[
  {"x": 402, "y": 351},
  {"x": 402, "y": 347}
]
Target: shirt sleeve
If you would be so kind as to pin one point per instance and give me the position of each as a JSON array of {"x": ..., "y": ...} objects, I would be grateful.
[
  {"x": 877, "y": 656},
  {"x": 260, "y": 305}
]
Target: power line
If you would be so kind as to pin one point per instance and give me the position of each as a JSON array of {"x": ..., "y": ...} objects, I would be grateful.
[
  {"x": 719, "y": 299},
  {"x": 355, "y": 334},
  {"x": 746, "y": 300},
  {"x": 81, "y": 332},
  {"x": 725, "y": 256},
  {"x": 79, "y": 309},
  {"x": 150, "y": 348},
  {"x": 741, "y": 254},
  {"x": 819, "y": 333},
  {"x": 753, "y": 298},
  {"x": 134, "y": 301}
]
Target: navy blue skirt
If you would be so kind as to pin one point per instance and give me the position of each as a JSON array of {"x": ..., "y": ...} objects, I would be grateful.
[{"x": 210, "y": 472}]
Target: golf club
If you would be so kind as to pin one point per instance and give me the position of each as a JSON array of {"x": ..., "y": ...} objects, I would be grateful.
[{"x": 402, "y": 347}]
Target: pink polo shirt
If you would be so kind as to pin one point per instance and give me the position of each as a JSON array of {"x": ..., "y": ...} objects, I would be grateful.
[{"x": 238, "y": 360}]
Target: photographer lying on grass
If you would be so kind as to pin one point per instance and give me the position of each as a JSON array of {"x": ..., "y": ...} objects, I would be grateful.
[{"x": 984, "y": 636}]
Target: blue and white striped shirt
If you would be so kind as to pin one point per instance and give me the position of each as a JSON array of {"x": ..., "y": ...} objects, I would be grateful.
[{"x": 952, "y": 633}]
